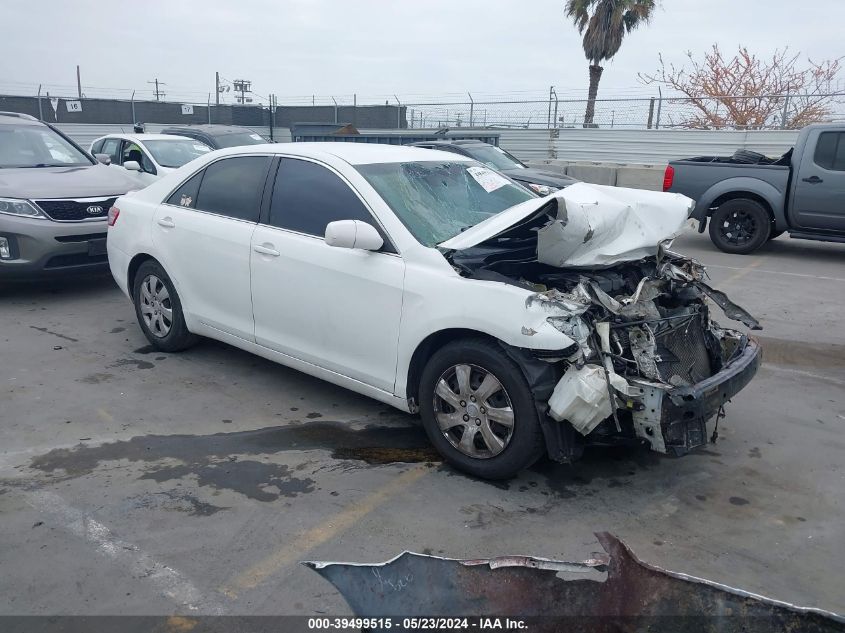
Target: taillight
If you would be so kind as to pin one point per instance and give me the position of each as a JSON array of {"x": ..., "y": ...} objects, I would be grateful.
[
  {"x": 668, "y": 177},
  {"x": 114, "y": 213}
]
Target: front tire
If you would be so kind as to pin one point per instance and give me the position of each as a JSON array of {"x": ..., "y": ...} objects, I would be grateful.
[
  {"x": 159, "y": 310},
  {"x": 740, "y": 226},
  {"x": 478, "y": 410}
]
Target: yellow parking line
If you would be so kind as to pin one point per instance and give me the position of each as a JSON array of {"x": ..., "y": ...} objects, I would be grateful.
[
  {"x": 105, "y": 415},
  {"x": 295, "y": 549},
  {"x": 742, "y": 272}
]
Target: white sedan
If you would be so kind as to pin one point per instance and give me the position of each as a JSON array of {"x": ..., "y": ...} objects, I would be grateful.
[
  {"x": 515, "y": 325},
  {"x": 148, "y": 156}
]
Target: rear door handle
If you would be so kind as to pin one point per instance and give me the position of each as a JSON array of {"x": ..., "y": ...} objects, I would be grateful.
[
  {"x": 266, "y": 249},
  {"x": 813, "y": 180},
  {"x": 167, "y": 222}
]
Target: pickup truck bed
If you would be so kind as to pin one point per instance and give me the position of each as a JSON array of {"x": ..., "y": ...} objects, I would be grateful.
[{"x": 748, "y": 199}]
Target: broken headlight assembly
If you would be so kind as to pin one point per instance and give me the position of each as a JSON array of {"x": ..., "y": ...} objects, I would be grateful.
[{"x": 576, "y": 329}]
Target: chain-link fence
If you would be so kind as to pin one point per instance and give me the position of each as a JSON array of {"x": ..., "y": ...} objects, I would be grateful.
[
  {"x": 744, "y": 113},
  {"x": 787, "y": 111}
]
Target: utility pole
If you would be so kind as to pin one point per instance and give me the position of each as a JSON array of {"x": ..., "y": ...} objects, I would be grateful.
[
  {"x": 78, "y": 82},
  {"x": 242, "y": 86},
  {"x": 158, "y": 93},
  {"x": 217, "y": 88}
]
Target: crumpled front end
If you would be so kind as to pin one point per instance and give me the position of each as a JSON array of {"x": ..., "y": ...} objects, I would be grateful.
[
  {"x": 648, "y": 363},
  {"x": 651, "y": 365}
]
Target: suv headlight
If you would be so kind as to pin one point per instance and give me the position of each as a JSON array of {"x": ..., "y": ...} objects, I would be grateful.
[
  {"x": 24, "y": 208},
  {"x": 543, "y": 190}
]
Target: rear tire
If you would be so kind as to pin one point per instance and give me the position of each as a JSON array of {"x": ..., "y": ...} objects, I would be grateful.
[
  {"x": 487, "y": 424},
  {"x": 740, "y": 226},
  {"x": 159, "y": 310}
]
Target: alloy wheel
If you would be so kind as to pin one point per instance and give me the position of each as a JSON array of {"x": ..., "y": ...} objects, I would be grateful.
[
  {"x": 473, "y": 411},
  {"x": 156, "y": 307},
  {"x": 739, "y": 227}
]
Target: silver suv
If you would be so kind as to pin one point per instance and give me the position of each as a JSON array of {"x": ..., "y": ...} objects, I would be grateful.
[{"x": 54, "y": 201}]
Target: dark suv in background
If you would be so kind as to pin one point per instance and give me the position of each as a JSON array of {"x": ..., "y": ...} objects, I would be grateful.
[
  {"x": 537, "y": 180},
  {"x": 218, "y": 136},
  {"x": 54, "y": 201}
]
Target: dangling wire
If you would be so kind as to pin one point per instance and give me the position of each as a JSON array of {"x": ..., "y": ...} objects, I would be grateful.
[{"x": 719, "y": 415}]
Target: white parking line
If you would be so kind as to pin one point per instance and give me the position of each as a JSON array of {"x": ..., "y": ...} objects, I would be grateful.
[
  {"x": 171, "y": 582},
  {"x": 801, "y": 372},
  {"x": 774, "y": 272}
]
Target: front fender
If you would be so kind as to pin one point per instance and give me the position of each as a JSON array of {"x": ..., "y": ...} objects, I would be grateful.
[{"x": 498, "y": 310}]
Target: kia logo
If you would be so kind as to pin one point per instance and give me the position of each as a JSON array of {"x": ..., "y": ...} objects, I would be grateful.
[{"x": 94, "y": 210}]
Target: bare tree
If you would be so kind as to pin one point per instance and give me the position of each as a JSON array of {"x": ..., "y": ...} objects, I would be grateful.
[{"x": 748, "y": 92}]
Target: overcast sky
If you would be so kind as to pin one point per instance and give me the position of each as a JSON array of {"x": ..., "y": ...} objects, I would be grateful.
[{"x": 375, "y": 48}]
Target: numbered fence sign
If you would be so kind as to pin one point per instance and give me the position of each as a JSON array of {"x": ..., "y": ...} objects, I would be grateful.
[
  {"x": 187, "y": 109},
  {"x": 74, "y": 106}
]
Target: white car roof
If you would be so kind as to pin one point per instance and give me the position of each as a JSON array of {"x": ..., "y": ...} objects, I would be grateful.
[{"x": 352, "y": 153}]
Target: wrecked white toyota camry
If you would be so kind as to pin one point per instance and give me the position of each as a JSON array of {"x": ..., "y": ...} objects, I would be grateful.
[{"x": 515, "y": 325}]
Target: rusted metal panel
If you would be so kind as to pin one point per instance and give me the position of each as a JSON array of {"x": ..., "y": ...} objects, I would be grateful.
[{"x": 634, "y": 595}]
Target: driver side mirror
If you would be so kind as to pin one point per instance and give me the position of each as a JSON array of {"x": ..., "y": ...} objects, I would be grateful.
[
  {"x": 353, "y": 234},
  {"x": 105, "y": 159},
  {"x": 132, "y": 165}
]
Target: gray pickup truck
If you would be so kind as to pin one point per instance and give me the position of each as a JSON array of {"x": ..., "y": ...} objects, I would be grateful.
[{"x": 750, "y": 198}]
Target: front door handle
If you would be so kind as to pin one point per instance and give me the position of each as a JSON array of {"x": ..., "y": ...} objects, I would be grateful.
[
  {"x": 266, "y": 249},
  {"x": 813, "y": 180},
  {"x": 167, "y": 222}
]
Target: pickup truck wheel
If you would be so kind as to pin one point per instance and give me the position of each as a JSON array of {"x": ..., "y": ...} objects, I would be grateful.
[
  {"x": 159, "y": 310},
  {"x": 478, "y": 410},
  {"x": 740, "y": 226}
]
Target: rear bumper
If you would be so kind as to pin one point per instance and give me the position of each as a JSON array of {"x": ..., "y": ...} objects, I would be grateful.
[
  {"x": 41, "y": 248},
  {"x": 674, "y": 420}
]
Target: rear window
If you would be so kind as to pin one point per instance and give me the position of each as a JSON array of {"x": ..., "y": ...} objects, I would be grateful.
[{"x": 241, "y": 138}]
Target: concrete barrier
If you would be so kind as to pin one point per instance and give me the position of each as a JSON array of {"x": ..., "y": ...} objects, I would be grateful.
[
  {"x": 640, "y": 177},
  {"x": 594, "y": 173}
]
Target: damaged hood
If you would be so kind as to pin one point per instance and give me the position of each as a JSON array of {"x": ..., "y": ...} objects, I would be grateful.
[{"x": 590, "y": 225}]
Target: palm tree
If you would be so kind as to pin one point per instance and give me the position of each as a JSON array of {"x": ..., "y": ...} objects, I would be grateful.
[{"x": 603, "y": 31}]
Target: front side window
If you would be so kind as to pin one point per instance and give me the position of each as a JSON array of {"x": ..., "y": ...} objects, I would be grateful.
[
  {"x": 830, "y": 151},
  {"x": 37, "y": 146},
  {"x": 436, "y": 200},
  {"x": 233, "y": 187},
  {"x": 177, "y": 152},
  {"x": 307, "y": 196},
  {"x": 131, "y": 151}
]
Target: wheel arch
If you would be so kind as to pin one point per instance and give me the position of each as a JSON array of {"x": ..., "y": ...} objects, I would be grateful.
[
  {"x": 755, "y": 189},
  {"x": 426, "y": 348},
  {"x": 134, "y": 265}
]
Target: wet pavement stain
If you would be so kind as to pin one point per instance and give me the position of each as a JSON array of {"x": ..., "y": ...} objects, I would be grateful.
[
  {"x": 139, "y": 364},
  {"x": 176, "y": 501},
  {"x": 96, "y": 379},
  {"x": 117, "y": 330},
  {"x": 739, "y": 501},
  {"x": 381, "y": 455},
  {"x": 46, "y": 331},
  {"x": 200, "y": 449},
  {"x": 250, "y": 478},
  {"x": 146, "y": 349}
]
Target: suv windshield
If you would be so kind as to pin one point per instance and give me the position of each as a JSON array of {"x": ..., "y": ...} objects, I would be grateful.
[
  {"x": 176, "y": 152},
  {"x": 241, "y": 138},
  {"x": 37, "y": 146},
  {"x": 494, "y": 157},
  {"x": 438, "y": 200}
]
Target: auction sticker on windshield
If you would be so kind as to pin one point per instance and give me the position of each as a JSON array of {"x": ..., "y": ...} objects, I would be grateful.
[{"x": 487, "y": 178}]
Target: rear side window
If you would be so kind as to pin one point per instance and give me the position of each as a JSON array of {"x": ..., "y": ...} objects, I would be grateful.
[
  {"x": 111, "y": 146},
  {"x": 96, "y": 147},
  {"x": 830, "y": 151},
  {"x": 233, "y": 187},
  {"x": 186, "y": 195},
  {"x": 307, "y": 196}
]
